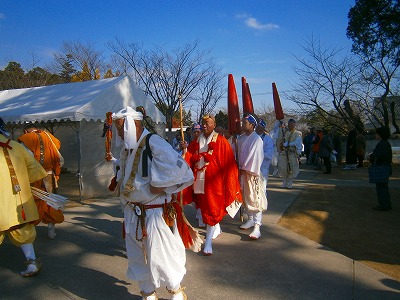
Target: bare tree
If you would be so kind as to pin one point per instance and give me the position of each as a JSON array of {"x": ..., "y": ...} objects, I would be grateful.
[
  {"x": 186, "y": 72},
  {"x": 326, "y": 84},
  {"x": 82, "y": 57},
  {"x": 210, "y": 92}
]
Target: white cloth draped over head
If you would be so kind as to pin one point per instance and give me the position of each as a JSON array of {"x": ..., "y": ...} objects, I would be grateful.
[
  {"x": 130, "y": 115},
  {"x": 251, "y": 154},
  {"x": 130, "y": 140}
]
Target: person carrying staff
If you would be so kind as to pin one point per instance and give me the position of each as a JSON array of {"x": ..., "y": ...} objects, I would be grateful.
[{"x": 290, "y": 148}]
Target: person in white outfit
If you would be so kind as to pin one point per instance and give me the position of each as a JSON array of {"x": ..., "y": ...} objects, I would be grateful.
[
  {"x": 251, "y": 157},
  {"x": 150, "y": 172},
  {"x": 290, "y": 145},
  {"x": 268, "y": 148}
]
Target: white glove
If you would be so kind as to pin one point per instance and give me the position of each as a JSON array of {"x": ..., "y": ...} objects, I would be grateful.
[
  {"x": 285, "y": 144},
  {"x": 334, "y": 152}
]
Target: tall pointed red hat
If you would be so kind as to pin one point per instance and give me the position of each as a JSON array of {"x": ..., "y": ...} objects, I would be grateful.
[
  {"x": 233, "y": 108},
  {"x": 277, "y": 103},
  {"x": 246, "y": 97}
]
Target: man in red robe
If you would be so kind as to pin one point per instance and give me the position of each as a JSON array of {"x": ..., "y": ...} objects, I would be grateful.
[{"x": 216, "y": 184}]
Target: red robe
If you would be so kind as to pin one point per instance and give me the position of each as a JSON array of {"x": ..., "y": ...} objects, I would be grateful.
[{"x": 221, "y": 181}]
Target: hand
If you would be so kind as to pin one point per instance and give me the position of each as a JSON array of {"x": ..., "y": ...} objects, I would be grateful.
[
  {"x": 285, "y": 144},
  {"x": 183, "y": 145}
]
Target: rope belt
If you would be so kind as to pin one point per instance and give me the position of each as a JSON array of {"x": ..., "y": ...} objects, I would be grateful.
[
  {"x": 169, "y": 215},
  {"x": 139, "y": 209}
]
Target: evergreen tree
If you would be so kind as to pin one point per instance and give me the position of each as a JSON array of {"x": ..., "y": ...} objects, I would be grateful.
[{"x": 67, "y": 68}]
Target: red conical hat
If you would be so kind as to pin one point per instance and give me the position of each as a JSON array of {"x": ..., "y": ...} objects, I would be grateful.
[
  {"x": 246, "y": 97},
  {"x": 277, "y": 103},
  {"x": 233, "y": 108}
]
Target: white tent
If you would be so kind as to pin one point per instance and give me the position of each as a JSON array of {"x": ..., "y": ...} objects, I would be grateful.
[{"x": 75, "y": 114}]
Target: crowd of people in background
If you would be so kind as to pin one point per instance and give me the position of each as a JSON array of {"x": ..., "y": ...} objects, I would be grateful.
[{"x": 215, "y": 171}]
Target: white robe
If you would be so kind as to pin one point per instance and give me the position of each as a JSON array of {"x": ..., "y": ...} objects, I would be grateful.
[
  {"x": 293, "y": 152},
  {"x": 164, "y": 248},
  {"x": 268, "y": 148},
  {"x": 251, "y": 156}
]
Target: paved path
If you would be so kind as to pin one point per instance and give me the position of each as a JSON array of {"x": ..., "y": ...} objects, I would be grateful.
[{"x": 87, "y": 261}]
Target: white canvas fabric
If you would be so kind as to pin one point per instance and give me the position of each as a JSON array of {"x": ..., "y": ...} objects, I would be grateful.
[{"x": 75, "y": 114}]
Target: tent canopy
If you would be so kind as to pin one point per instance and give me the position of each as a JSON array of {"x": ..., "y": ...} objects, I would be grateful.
[
  {"x": 88, "y": 100},
  {"x": 78, "y": 110}
]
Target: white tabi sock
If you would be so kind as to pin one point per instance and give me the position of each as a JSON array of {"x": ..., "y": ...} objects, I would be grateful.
[
  {"x": 29, "y": 252},
  {"x": 208, "y": 243}
]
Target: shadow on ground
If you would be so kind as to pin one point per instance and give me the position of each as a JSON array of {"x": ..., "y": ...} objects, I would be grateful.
[{"x": 336, "y": 211}]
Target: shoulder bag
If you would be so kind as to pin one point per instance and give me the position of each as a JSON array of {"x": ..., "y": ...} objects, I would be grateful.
[{"x": 379, "y": 173}]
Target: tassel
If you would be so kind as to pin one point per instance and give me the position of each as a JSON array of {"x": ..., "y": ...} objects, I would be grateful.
[
  {"x": 190, "y": 236},
  {"x": 23, "y": 214}
]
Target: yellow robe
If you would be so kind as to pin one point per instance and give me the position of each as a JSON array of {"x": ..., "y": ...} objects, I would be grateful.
[{"x": 28, "y": 170}]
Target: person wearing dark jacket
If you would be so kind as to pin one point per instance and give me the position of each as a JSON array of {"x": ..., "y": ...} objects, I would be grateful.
[
  {"x": 382, "y": 155},
  {"x": 325, "y": 149},
  {"x": 351, "y": 150}
]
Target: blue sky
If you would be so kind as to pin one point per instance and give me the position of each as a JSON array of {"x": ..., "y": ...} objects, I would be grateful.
[{"x": 255, "y": 39}]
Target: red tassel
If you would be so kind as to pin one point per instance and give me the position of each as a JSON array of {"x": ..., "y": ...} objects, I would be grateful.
[
  {"x": 23, "y": 214},
  {"x": 182, "y": 226}
]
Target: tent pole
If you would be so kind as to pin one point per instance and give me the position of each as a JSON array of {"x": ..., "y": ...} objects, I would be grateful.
[{"x": 78, "y": 172}]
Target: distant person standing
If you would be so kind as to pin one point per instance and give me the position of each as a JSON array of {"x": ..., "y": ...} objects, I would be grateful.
[
  {"x": 361, "y": 146},
  {"x": 351, "y": 150},
  {"x": 382, "y": 156},
  {"x": 290, "y": 148},
  {"x": 314, "y": 157},
  {"x": 44, "y": 147},
  {"x": 252, "y": 181},
  {"x": 337, "y": 146},
  {"x": 17, "y": 207},
  {"x": 307, "y": 142},
  {"x": 325, "y": 150}
]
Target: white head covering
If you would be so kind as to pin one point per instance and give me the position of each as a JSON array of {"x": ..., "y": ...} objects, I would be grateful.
[
  {"x": 130, "y": 115},
  {"x": 130, "y": 139}
]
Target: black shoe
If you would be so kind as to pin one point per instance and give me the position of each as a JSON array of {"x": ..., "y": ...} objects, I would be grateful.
[
  {"x": 327, "y": 172},
  {"x": 380, "y": 208}
]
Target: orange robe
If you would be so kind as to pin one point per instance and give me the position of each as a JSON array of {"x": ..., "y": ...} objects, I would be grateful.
[
  {"x": 221, "y": 180},
  {"x": 51, "y": 162}
]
